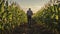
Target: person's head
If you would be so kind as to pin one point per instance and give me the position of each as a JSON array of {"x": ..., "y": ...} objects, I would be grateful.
[{"x": 29, "y": 8}]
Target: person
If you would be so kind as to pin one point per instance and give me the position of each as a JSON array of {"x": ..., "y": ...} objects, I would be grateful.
[{"x": 29, "y": 15}]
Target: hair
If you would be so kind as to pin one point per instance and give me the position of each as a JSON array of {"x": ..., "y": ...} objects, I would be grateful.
[{"x": 29, "y": 8}]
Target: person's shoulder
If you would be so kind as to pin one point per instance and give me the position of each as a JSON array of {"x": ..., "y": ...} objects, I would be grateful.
[
  {"x": 31, "y": 10},
  {"x": 27, "y": 10}
]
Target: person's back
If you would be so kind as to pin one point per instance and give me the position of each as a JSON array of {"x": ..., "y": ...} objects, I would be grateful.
[
  {"x": 29, "y": 12},
  {"x": 29, "y": 16}
]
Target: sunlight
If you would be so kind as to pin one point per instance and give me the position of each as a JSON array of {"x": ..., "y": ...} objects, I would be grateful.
[{"x": 33, "y": 8}]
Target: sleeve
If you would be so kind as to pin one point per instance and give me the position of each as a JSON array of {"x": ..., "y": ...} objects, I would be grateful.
[
  {"x": 27, "y": 12},
  {"x": 32, "y": 12}
]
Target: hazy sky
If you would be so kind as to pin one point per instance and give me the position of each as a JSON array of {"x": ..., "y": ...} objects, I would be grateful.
[{"x": 35, "y": 5}]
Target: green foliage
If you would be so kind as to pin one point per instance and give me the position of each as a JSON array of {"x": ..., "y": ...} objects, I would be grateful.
[
  {"x": 48, "y": 17},
  {"x": 11, "y": 15}
]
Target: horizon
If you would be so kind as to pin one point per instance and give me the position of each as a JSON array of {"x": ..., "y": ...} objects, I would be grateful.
[{"x": 35, "y": 5}]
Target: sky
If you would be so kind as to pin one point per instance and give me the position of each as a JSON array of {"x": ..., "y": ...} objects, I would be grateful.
[{"x": 35, "y": 5}]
